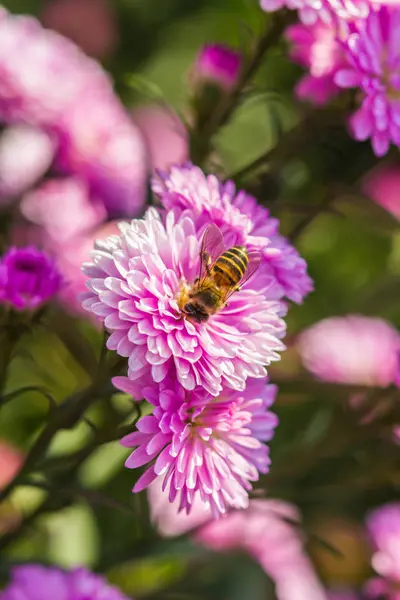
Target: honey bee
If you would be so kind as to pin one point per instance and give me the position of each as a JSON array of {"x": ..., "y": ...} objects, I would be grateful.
[{"x": 222, "y": 272}]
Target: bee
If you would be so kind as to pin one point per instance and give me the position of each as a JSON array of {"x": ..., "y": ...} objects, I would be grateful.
[{"x": 222, "y": 272}]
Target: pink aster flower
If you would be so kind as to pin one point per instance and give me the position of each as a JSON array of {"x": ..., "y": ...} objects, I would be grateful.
[
  {"x": 382, "y": 185},
  {"x": 26, "y": 153},
  {"x": 138, "y": 283},
  {"x": 316, "y": 47},
  {"x": 217, "y": 64},
  {"x": 28, "y": 278},
  {"x": 354, "y": 349},
  {"x": 47, "y": 82},
  {"x": 30, "y": 582},
  {"x": 242, "y": 221},
  {"x": 373, "y": 54},
  {"x": 205, "y": 446}
]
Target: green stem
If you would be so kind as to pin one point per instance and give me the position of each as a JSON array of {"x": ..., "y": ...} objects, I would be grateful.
[
  {"x": 201, "y": 140},
  {"x": 312, "y": 124}
]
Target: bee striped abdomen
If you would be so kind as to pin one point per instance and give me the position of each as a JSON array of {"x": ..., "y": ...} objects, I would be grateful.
[{"x": 230, "y": 267}]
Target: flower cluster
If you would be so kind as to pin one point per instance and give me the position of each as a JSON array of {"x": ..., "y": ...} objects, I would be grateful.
[
  {"x": 356, "y": 47},
  {"x": 206, "y": 379},
  {"x": 62, "y": 119},
  {"x": 50, "y": 583}
]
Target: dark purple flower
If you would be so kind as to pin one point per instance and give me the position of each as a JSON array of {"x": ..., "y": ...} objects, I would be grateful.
[
  {"x": 31, "y": 582},
  {"x": 28, "y": 278}
]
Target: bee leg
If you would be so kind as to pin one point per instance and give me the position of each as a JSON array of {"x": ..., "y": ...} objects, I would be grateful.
[{"x": 205, "y": 257}]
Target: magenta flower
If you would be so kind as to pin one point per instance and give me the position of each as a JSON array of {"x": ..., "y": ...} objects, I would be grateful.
[
  {"x": 316, "y": 47},
  {"x": 137, "y": 286},
  {"x": 382, "y": 185},
  {"x": 354, "y": 349},
  {"x": 30, "y": 582},
  {"x": 28, "y": 278},
  {"x": 205, "y": 446},
  {"x": 48, "y": 83},
  {"x": 373, "y": 54},
  {"x": 242, "y": 221},
  {"x": 26, "y": 153},
  {"x": 217, "y": 64}
]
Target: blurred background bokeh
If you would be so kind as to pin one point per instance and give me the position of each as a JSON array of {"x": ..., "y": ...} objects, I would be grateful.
[{"x": 335, "y": 455}]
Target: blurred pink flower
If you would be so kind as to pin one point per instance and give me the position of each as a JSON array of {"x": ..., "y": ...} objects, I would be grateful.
[
  {"x": 48, "y": 83},
  {"x": 63, "y": 209},
  {"x": 216, "y": 64},
  {"x": 316, "y": 47},
  {"x": 34, "y": 582},
  {"x": 383, "y": 185},
  {"x": 354, "y": 349},
  {"x": 164, "y": 134},
  {"x": 383, "y": 525},
  {"x": 262, "y": 530},
  {"x": 373, "y": 53},
  {"x": 10, "y": 462},
  {"x": 166, "y": 517},
  {"x": 69, "y": 258},
  {"x": 26, "y": 153},
  {"x": 89, "y": 23}
]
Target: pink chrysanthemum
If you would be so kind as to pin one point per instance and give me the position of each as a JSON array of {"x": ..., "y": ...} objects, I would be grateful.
[
  {"x": 137, "y": 282},
  {"x": 47, "y": 82},
  {"x": 31, "y": 581},
  {"x": 242, "y": 221},
  {"x": 373, "y": 54},
  {"x": 211, "y": 447},
  {"x": 316, "y": 47},
  {"x": 353, "y": 349},
  {"x": 329, "y": 11}
]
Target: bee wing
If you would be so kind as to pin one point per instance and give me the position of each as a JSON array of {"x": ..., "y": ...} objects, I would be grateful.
[
  {"x": 252, "y": 266},
  {"x": 212, "y": 246}
]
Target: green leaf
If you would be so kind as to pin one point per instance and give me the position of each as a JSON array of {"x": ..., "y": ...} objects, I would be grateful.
[{"x": 144, "y": 86}]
